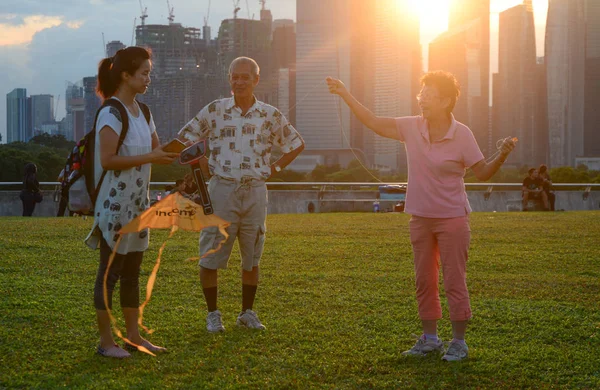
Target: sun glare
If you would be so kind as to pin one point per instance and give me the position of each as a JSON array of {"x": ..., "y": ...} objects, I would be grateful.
[{"x": 433, "y": 15}]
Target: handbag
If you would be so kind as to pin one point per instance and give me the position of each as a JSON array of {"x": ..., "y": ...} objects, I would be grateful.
[{"x": 38, "y": 197}]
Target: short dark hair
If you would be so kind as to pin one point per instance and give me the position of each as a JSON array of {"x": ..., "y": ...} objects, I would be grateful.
[
  {"x": 446, "y": 84},
  {"x": 543, "y": 168},
  {"x": 531, "y": 170}
]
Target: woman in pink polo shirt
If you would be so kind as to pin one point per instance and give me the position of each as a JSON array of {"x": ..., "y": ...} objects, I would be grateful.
[{"x": 438, "y": 149}]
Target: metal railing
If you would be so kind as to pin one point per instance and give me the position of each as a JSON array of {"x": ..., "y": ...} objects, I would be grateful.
[{"x": 489, "y": 186}]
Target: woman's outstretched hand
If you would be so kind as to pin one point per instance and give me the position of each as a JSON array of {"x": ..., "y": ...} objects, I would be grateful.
[{"x": 336, "y": 86}]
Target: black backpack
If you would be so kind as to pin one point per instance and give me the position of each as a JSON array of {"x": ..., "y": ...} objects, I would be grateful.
[{"x": 78, "y": 189}]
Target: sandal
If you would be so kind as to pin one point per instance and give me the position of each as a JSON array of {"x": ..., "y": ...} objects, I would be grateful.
[
  {"x": 146, "y": 344},
  {"x": 113, "y": 352}
]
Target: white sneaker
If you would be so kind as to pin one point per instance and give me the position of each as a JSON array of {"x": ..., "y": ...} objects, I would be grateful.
[
  {"x": 456, "y": 352},
  {"x": 214, "y": 324},
  {"x": 249, "y": 319},
  {"x": 423, "y": 346}
]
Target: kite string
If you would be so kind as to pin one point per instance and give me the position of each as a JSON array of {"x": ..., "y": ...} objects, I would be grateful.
[
  {"x": 310, "y": 91},
  {"x": 113, "y": 320},
  {"x": 152, "y": 280},
  {"x": 339, "y": 116}
]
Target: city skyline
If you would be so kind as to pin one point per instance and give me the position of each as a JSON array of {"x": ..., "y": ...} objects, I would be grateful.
[{"x": 27, "y": 32}]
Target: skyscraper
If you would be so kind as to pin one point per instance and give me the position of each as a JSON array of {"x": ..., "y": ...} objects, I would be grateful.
[
  {"x": 186, "y": 74},
  {"x": 464, "y": 50},
  {"x": 283, "y": 46},
  {"x": 592, "y": 79},
  {"x": 464, "y": 11},
  {"x": 249, "y": 38},
  {"x": 565, "y": 73},
  {"x": 397, "y": 67},
  {"x": 16, "y": 115},
  {"x": 91, "y": 102},
  {"x": 75, "y": 106},
  {"x": 373, "y": 47},
  {"x": 41, "y": 111},
  {"x": 541, "y": 113},
  {"x": 283, "y": 63},
  {"x": 322, "y": 49},
  {"x": 266, "y": 17},
  {"x": 515, "y": 90},
  {"x": 113, "y": 47},
  {"x": 363, "y": 18},
  {"x": 284, "y": 22}
]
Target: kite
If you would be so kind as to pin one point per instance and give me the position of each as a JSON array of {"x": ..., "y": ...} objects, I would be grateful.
[{"x": 173, "y": 212}]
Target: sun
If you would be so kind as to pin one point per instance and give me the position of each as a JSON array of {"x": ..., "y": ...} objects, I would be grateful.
[{"x": 433, "y": 15}]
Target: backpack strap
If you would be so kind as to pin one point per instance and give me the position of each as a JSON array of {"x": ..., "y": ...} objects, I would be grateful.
[
  {"x": 146, "y": 110},
  {"x": 124, "y": 129}
]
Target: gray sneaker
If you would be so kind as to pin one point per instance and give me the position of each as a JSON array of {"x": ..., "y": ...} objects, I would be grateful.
[
  {"x": 249, "y": 319},
  {"x": 422, "y": 347},
  {"x": 456, "y": 352},
  {"x": 214, "y": 324}
]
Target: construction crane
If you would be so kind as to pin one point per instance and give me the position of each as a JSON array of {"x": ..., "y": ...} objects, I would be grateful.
[
  {"x": 207, "y": 15},
  {"x": 144, "y": 13},
  {"x": 248, "y": 9},
  {"x": 236, "y": 8},
  {"x": 171, "y": 14}
]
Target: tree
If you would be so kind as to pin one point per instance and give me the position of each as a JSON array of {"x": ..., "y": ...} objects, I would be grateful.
[
  {"x": 354, "y": 164},
  {"x": 49, "y": 165},
  {"x": 288, "y": 176},
  {"x": 569, "y": 175},
  {"x": 13, "y": 162},
  {"x": 57, "y": 141},
  {"x": 319, "y": 173},
  {"x": 357, "y": 174}
]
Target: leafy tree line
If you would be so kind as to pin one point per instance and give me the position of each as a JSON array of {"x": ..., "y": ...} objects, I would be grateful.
[
  {"x": 354, "y": 172},
  {"x": 49, "y": 153}
]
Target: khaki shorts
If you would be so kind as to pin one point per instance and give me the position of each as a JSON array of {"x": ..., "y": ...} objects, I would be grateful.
[{"x": 244, "y": 205}]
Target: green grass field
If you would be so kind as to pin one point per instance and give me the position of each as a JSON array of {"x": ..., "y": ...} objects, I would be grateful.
[{"x": 336, "y": 295}]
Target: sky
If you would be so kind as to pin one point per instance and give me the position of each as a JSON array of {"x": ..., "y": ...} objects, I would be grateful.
[{"x": 45, "y": 43}]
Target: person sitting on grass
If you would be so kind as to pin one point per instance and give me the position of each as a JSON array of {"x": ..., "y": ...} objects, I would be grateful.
[
  {"x": 547, "y": 186},
  {"x": 533, "y": 189},
  {"x": 180, "y": 187},
  {"x": 190, "y": 187}
]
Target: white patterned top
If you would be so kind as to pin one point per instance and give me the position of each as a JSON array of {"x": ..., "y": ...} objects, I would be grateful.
[
  {"x": 124, "y": 194},
  {"x": 240, "y": 146}
]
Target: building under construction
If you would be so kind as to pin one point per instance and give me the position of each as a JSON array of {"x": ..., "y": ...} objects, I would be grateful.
[
  {"x": 250, "y": 38},
  {"x": 185, "y": 74}
]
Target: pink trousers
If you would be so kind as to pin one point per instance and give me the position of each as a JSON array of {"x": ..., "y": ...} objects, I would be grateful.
[{"x": 445, "y": 239}]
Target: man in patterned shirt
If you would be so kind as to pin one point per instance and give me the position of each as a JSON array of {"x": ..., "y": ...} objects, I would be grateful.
[{"x": 241, "y": 132}]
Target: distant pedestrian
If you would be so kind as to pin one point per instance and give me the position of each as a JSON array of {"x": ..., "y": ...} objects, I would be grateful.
[
  {"x": 123, "y": 194},
  {"x": 180, "y": 187},
  {"x": 30, "y": 194},
  {"x": 189, "y": 185}
]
